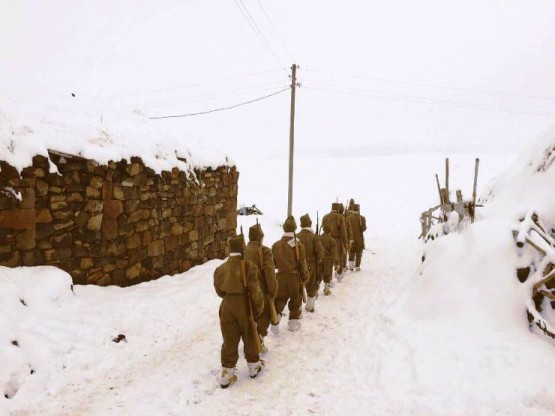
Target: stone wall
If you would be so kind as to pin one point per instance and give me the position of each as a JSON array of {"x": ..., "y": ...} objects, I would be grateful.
[{"x": 119, "y": 223}]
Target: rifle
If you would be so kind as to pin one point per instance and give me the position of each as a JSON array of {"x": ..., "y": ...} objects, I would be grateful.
[
  {"x": 297, "y": 256},
  {"x": 254, "y": 327},
  {"x": 274, "y": 318}
]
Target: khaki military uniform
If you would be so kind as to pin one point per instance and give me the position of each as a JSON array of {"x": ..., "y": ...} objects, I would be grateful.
[
  {"x": 330, "y": 257},
  {"x": 336, "y": 222},
  {"x": 289, "y": 280},
  {"x": 234, "y": 311},
  {"x": 262, "y": 257},
  {"x": 358, "y": 225},
  {"x": 314, "y": 253}
]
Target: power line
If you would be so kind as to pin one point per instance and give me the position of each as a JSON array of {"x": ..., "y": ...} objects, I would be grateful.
[
  {"x": 443, "y": 87},
  {"x": 275, "y": 31},
  {"x": 188, "y": 86},
  {"x": 222, "y": 93},
  {"x": 424, "y": 100},
  {"x": 222, "y": 108},
  {"x": 252, "y": 23}
]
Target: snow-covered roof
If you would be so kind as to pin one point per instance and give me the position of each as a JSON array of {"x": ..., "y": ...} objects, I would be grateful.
[{"x": 29, "y": 128}]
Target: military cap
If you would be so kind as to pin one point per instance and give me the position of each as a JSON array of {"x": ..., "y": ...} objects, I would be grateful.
[
  {"x": 289, "y": 225},
  {"x": 306, "y": 221},
  {"x": 255, "y": 233},
  {"x": 341, "y": 208},
  {"x": 335, "y": 206},
  {"x": 357, "y": 207},
  {"x": 236, "y": 244}
]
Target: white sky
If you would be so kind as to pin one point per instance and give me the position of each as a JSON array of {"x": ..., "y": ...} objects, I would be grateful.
[{"x": 134, "y": 53}]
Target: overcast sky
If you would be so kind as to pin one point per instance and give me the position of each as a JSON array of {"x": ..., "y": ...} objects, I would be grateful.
[{"x": 377, "y": 76}]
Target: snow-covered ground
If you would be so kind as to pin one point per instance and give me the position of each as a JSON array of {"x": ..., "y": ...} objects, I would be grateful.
[{"x": 385, "y": 342}]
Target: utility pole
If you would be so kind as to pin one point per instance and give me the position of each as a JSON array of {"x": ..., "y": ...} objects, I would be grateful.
[{"x": 291, "y": 139}]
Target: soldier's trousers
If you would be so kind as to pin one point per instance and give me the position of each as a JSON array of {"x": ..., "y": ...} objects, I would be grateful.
[
  {"x": 355, "y": 253},
  {"x": 235, "y": 324},
  {"x": 342, "y": 254},
  {"x": 265, "y": 318},
  {"x": 289, "y": 290},
  {"x": 327, "y": 269},
  {"x": 313, "y": 283}
]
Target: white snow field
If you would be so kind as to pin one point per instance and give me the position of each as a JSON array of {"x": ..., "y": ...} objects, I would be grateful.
[{"x": 454, "y": 340}]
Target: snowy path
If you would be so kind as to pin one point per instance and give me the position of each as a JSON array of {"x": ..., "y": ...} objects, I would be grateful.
[
  {"x": 335, "y": 365},
  {"x": 349, "y": 358}
]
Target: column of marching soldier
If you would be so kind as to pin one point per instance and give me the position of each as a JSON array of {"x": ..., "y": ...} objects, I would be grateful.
[{"x": 254, "y": 295}]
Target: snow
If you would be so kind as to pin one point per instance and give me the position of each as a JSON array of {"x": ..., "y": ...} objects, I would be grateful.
[
  {"x": 447, "y": 336},
  {"x": 30, "y": 127}
]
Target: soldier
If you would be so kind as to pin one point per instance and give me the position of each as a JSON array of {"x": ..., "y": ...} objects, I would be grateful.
[
  {"x": 348, "y": 213},
  {"x": 292, "y": 275},
  {"x": 329, "y": 259},
  {"x": 236, "y": 282},
  {"x": 336, "y": 223},
  {"x": 262, "y": 257},
  {"x": 343, "y": 258},
  {"x": 358, "y": 225},
  {"x": 314, "y": 253}
]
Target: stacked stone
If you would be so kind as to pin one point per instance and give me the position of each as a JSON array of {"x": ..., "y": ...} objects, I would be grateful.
[{"x": 119, "y": 223}]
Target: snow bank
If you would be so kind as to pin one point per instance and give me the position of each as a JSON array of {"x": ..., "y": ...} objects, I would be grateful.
[
  {"x": 53, "y": 335},
  {"x": 470, "y": 275},
  {"x": 101, "y": 133},
  {"x": 465, "y": 310},
  {"x": 30, "y": 300}
]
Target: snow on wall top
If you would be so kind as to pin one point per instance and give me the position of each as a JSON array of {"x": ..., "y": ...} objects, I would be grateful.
[{"x": 70, "y": 126}]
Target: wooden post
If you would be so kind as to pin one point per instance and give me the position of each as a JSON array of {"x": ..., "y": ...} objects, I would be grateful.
[
  {"x": 476, "y": 166},
  {"x": 447, "y": 180},
  {"x": 291, "y": 139},
  {"x": 439, "y": 190}
]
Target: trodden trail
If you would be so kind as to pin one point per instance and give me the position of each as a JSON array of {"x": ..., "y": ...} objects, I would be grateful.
[{"x": 346, "y": 349}]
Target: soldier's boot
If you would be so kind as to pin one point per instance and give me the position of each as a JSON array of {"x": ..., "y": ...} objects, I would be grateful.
[
  {"x": 358, "y": 269},
  {"x": 263, "y": 349},
  {"x": 327, "y": 290},
  {"x": 293, "y": 325},
  {"x": 339, "y": 277},
  {"x": 310, "y": 304},
  {"x": 274, "y": 328},
  {"x": 228, "y": 377},
  {"x": 351, "y": 265},
  {"x": 255, "y": 368}
]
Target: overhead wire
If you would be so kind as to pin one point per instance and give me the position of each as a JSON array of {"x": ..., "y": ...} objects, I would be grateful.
[
  {"x": 276, "y": 31},
  {"x": 222, "y": 108},
  {"x": 429, "y": 85},
  {"x": 254, "y": 26},
  {"x": 210, "y": 95},
  {"x": 193, "y": 85},
  {"x": 427, "y": 100}
]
